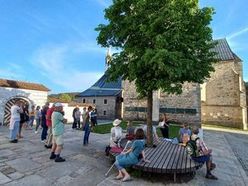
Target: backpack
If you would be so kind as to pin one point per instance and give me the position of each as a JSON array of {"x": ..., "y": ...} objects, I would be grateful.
[{"x": 191, "y": 148}]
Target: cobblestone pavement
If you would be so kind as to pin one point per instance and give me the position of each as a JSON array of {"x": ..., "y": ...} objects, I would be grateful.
[
  {"x": 239, "y": 145},
  {"x": 27, "y": 163}
]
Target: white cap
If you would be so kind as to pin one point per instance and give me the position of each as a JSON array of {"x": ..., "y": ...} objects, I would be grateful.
[
  {"x": 58, "y": 105},
  {"x": 116, "y": 122}
]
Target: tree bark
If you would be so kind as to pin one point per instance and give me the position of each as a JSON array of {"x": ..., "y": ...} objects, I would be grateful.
[{"x": 149, "y": 119}]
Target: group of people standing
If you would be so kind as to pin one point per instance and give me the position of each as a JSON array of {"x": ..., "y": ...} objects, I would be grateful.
[
  {"x": 52, "y": 122},
  {"x": 77, "y": 115},
  {"x": 89, "y": 121}
]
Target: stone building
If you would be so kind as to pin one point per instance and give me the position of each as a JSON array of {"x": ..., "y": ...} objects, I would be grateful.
[
  {"x": 223, "y": 99},
  {"x": 105, "y": 96},
  {"x": 185, "y": 107},
  {"x": 220, "y": 100},
  {"x": 28, "y": 93}
]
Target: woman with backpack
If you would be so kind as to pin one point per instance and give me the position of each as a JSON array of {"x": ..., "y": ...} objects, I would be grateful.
[{"x": 200, "y": 153}]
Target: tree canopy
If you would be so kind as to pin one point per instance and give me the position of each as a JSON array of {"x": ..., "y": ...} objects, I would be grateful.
[{"x": 162, "y": 43}]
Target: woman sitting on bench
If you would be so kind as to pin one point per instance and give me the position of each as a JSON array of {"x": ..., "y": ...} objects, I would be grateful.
[
  {"x": 116, "y": 134},
  {"x": 131, "y": 156}
]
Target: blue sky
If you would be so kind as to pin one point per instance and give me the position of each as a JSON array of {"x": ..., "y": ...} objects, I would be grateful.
[{"x": 54, "y": 42}]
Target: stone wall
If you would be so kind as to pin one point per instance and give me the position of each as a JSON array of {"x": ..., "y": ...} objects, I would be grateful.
[
  {"x": 34, "y": 97},
  {"x": 224, "y": 95},
  {"x": 182, "y": 108},
  {"x": 133, "y": 107},
  {"x": 109, "y": 108},
  {"x": 230, "y": 116}
]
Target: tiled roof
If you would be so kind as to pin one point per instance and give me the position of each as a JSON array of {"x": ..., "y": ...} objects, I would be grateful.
[
  {"x": 22, "y": 85},
  {"x": 103, "y": 88},
  {"x": 223, "y": 50},
  {"x": 56, "y": 100}
]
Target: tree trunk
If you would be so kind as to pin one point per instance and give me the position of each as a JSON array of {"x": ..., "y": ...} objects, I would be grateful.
[{"x": 149, "y": 119}]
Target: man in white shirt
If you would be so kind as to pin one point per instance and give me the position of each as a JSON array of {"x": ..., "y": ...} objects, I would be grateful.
[{"x": 15, "y": 121}]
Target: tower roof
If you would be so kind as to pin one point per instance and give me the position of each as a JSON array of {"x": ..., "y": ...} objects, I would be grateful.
[
  {"x": 103, "y": 88},
  {"x": 224, "y": 52}
]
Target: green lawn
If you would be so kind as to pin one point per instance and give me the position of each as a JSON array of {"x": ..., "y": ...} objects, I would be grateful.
[
  {"x": 104, "y": 129},
  {"x": 173, "y": 131}
]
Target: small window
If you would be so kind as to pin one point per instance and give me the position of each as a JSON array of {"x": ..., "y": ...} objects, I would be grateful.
[
  {"x": 105, "y": 101},
  {"x": 83, "y": 100},
  {"x": 94, "y": 101},
  {"x": 104, "y": 112}
]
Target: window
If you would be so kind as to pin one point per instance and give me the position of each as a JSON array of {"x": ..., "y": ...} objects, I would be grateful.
[
  {"x": 105, "y": 101},
  {"x": 94, "y": 101},
  {"x": 83, "y": 100},
  {"x": 104, "y": 112}
]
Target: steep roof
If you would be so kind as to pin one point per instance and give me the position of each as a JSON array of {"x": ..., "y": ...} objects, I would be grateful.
[
  {"x": 103, "y": 88},
  {"x": 224, "y": 52},
  {"x": 22, "y": 85}
]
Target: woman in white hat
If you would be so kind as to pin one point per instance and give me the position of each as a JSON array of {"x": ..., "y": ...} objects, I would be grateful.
[{"x": 116, "y": 133}]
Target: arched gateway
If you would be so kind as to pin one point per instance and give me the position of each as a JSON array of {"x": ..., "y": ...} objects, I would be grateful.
[
  {"x": 9, "y": 104},
  {"x": 28, "y": 93}
]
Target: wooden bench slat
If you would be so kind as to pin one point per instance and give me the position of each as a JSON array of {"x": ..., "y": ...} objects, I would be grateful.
[
  {"x": 180, "y": 161},
  {"x": 175, "y": 166},
  {"x": 173, "y": 158},
  {"x": 152, "y": 158},
  {"x": 170, "y": 156},
  {"x": 166, "y": 157},
  {"x": 159, "y": 157},
  {"x": 148, "y": 153},
  {"x": 162, "y": 158}
]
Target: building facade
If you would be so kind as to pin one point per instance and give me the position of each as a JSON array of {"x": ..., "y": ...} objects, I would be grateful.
[
  {"x": 28, "y": 93},
  {"x": 182, "y": 108},
  {"x": 223, "y": 99},
  {"x": 105, "y": 97}
]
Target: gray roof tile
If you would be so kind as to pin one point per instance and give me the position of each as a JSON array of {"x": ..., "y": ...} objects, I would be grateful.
[{"x": 223, "y": 50}]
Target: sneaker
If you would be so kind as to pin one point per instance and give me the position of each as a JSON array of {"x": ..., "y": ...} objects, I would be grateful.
[
  {"x": 52, "y": 157},
  {"x": 59, "y": 159},
  {"x": 48, "y": 146},
  {"x": 211, "y": 176},
  {"x": 13, "y": 141}
]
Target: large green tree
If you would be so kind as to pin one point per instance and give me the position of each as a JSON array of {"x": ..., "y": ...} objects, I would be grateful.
[{"x": 162, "y": 44}]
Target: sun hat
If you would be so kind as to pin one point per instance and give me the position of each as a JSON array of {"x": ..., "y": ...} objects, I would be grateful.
[
  {"x": 116, "y": 122},
  {"x": 58, "y": 105}
]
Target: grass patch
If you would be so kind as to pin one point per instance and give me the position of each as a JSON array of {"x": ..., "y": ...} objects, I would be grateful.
[
  {"x": 104, "y": 129},
  {"x": 173, "y": 131}
]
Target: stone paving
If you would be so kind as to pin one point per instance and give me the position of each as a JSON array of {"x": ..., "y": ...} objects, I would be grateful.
[
  {"x": 239, "y": 145},
  {"x": 27, "y": 162}
]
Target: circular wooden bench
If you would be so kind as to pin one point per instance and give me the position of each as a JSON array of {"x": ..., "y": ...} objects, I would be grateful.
[{"x": 168, "y": 158}]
